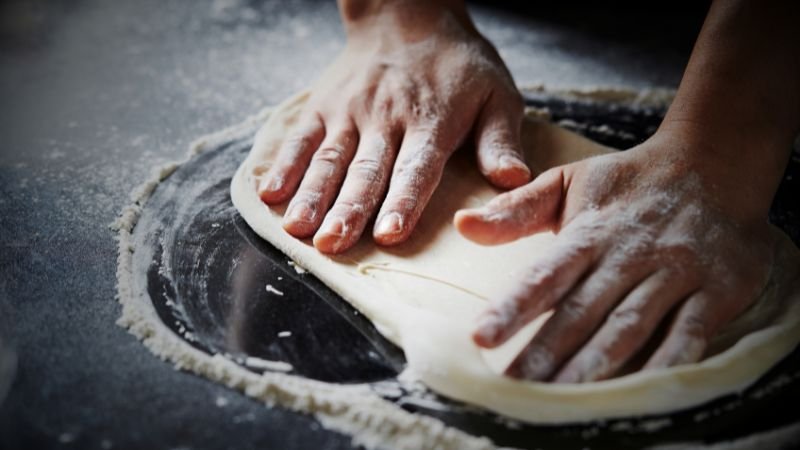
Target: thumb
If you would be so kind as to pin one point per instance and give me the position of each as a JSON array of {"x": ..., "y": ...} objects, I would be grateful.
[
  {"x": 512, "y": 215},
  {"x": 498, "y": 142}
]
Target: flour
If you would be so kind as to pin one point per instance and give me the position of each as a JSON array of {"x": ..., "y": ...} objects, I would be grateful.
[
  {"x": 297, "y": 268},
  {"x": 271, "y": 289},
  {"x": 264, "y": 364}
]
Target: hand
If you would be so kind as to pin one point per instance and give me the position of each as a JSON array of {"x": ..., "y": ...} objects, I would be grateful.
[
  {"x": 412, "y": 82},
  {"x": 645, "y": 239}
]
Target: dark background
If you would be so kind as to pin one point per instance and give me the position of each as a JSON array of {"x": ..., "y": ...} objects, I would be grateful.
[{"x": 95, "y": 93}]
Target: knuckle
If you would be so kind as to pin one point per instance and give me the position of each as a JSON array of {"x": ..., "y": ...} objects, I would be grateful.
[
  {"x": 574, "y": 311},
  {"x": 627, "y": 321},
  {"x": 694, "y": 326},
  {"x": 384, "y": 107},
  {"x": 427, "y": 114},
  {"x": 348, "y": 209},
  {"x": 334, "y": 155},
  {"x": 367, "y": 169},
  {"x": 421, "y": 167},
  {"x": 296, "y": 142}
]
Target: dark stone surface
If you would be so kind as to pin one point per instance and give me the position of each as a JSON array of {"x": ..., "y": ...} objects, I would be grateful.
[{"x": 95, "y": 93}]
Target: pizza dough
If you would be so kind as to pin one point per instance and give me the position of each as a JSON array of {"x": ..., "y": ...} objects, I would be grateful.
[{"x": 425, "y": 294}]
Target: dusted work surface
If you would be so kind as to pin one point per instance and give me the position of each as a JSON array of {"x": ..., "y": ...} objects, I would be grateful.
[{"x": 96, "y": 93}]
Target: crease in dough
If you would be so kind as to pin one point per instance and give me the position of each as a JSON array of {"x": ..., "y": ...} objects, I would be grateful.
[{"x": 366, "y": 268}]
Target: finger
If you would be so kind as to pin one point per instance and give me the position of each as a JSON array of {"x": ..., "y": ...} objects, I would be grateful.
[
  {"x": 498, "y": 141},
  {"x": 687, "y": 339},
  {"x": 519, "y": 213},
  {"x": 321, "y": 182},
  {"x": 416, "y": 175},
  {"x": 627, "y": 329},
  {"x": 544, "y": 285},
  {"x": 364, "y": 186},
  {"x": 574, "y": 320},
  {"x": 293, "y": 158}
]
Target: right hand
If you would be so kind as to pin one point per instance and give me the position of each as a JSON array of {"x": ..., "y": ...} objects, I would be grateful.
[
  {"x": 413, "y": 81},
  {"x": 662, "y": 235}
]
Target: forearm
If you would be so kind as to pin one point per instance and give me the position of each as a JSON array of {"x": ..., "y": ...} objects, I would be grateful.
[{"x": 738, "y": 107}]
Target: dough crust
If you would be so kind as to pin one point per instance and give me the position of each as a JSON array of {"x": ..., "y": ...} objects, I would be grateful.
[{"x": 424, "y": 296}]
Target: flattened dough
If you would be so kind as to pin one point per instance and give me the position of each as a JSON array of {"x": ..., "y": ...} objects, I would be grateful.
[{"x": 424, "y": 296}]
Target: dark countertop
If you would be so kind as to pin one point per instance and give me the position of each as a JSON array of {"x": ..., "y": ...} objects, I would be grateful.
[{"x": 93, "y": 94}]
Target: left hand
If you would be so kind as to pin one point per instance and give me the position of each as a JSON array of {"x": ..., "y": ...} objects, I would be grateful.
[
  {"x": 645, "y": 238},
  {"x": 413, "y": 83}
]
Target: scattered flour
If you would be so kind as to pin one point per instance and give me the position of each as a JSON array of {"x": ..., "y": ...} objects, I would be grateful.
[
  {"x": 272, "y": 290},
  {"x": 297, "y": 267},
  {"x": 265, "y": 364}
]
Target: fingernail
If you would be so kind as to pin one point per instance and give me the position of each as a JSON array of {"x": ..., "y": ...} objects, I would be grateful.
[
  {"x": 271, "y": 184},
  {"x": 301, "y": 212},
  {"x": 487, "y": 214},
  {"x": 333, "y": 226},
  {"x": 508, "y": 162},
  {"x": 391, "y": 223}
]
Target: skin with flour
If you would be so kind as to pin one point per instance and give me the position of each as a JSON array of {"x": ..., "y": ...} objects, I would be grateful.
[{"x": 673, "y": 232}]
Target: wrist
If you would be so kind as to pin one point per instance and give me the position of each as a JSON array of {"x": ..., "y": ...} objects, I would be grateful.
[
  {"x": 740, "y": 176},
  {"x": 411, "y": 17}
]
